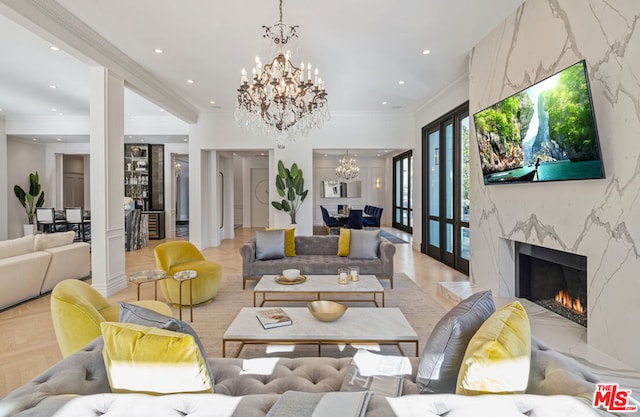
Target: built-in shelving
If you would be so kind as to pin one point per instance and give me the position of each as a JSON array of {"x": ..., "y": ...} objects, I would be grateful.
[{"x": 144, "y": 181}]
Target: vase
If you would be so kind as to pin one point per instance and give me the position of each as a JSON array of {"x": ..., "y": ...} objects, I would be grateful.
[{"x": 29, "y": 229}]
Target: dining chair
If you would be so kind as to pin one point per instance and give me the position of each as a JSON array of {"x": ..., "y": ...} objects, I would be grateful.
[
  {"x": 75, "y": 217},
  {"x": 45, "y": 219},
  {"x": 355, "y": 219},
  {"x": 329, "y": 222}
]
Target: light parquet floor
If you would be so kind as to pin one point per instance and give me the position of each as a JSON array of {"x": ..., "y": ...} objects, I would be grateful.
[{"x": 27, "y": 341}]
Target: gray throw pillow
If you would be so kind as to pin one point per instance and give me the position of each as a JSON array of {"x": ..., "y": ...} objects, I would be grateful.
[
  {"x": 269, "y": 244},
  {"x": 364, "y": 244},
  {"x": 442, "y": 356},
  {"x": 130, "y": 313}
]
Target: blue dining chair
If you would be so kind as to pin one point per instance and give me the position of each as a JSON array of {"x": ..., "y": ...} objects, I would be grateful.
[{"x": 355, "y": 219}]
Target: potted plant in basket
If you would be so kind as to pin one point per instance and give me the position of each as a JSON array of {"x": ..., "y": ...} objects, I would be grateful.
[
  {"x": 30, "y": 200},
  {"x": 290, "y": 186}
]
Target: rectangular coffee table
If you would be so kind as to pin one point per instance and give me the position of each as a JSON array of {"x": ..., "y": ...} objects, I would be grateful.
[
  {"x": 318, "y": 285},
  {"x": 385, "y": 326}
]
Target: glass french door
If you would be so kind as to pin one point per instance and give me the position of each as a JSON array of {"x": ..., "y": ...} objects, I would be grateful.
[
  {"x": 402, "y": 194},
  {"x": 446, "y": 189}
]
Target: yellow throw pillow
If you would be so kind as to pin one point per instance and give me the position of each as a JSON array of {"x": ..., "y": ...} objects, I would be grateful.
[
  {"x": 343, "y": 242},
  {"x": 289, "y": 240},
  {"x": 152, "y": 360},
  {"x": 498, "y": 356}
]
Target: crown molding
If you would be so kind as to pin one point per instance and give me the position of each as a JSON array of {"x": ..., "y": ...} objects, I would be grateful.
[{"x": 55, "y": 23}]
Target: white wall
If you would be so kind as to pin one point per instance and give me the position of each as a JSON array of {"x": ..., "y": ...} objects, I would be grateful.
[
  {"x": 370, "y": 168},
  {"x": 595, "y": 218},
  {"x": 352, "y": 130},
  {"x": 448, "y": 99},
  {"x": 5, "y": 187},
  {"x": 25, "y": 158},
  {"x": 238, "y": 210}
]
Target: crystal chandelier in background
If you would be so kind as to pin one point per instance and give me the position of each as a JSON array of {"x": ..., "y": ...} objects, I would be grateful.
[
  {"x": 347, "y": 169},
  {"x": 282, "y": 101}
]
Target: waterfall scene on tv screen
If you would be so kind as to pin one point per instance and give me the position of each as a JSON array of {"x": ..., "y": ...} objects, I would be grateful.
[{"x": 546, "y": 132}]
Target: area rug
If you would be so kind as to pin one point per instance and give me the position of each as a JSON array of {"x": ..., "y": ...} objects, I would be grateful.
[{"x": 211, "y": 320}]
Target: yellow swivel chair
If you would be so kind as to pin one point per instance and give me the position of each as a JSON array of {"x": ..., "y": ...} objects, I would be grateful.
[
  {"x": 77, "y": 310},
  {"x": 180, "y": 256}
]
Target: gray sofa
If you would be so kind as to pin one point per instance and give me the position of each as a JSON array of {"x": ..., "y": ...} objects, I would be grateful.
[
  {"x": 558, "y": 385},
  {"x": 316, "y": 255}
]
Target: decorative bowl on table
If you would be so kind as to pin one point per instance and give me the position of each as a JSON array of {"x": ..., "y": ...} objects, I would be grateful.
[
  {"x": 291, "y": 274},
  {"x": 325, "y": 310}
]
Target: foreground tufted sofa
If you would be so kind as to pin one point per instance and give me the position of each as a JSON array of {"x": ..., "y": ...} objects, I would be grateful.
[
  {"x": 78, "y": 386},
  {"x": 316, "y": 255}
]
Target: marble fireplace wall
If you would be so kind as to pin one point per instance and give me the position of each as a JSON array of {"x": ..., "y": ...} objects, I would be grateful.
[{"x": 595, "y": 218}]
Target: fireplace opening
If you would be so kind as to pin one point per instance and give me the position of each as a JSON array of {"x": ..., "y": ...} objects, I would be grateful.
[{"x": 554, "y": 279}]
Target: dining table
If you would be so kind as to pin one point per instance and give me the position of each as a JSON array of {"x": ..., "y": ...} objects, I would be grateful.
[{"x": 343, "y": 218}]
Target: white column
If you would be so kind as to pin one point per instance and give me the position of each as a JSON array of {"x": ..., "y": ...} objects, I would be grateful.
[
  {"x": 229, "y": 197},
  {"x": 196, "y": 187},
  {"x": 210, "y": 203},
  {"x": 107, "y": 181},
  {"x": 4, "y": 184},
  {"x": 59, "y": 182}
]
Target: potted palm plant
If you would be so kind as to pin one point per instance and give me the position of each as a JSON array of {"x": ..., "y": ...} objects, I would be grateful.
[
  {"x": 290, "y": 186},
  {"x": 30, "y": 200}
]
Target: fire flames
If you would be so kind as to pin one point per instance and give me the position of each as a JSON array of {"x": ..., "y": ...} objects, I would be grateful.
[{"x": 563, "y": 298}]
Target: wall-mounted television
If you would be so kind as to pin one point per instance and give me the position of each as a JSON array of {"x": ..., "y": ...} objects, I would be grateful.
[{"x": 546, "y": 132}]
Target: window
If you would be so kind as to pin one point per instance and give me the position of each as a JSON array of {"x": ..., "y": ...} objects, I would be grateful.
[{"x": 402, "y": 195}]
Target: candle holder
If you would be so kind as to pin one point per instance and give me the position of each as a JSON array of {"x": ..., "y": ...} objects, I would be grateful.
[
  {"x": 354, "y": 273},
  {"x": 343, "y": 275}
]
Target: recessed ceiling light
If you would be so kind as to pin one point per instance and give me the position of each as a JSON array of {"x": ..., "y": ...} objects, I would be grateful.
[
  {"x": 161, "y": 109},
  {"x": 426, "y": 52},
  {"x": 0, "y": 108},
  {"x": 186, "y": 140},
  {"x": 190, "y": 81},
  {"x": 212, "y": 102},
  {"x": 53, "y": 86},
  {"x": 54, "y": 48},
  {"x": 130, "y": 137},
  {"x": 384, "y": 103},
  {"x": 34, "y": 139},
  {"x": 158, "y": 51},
  {"x": 54, "y": 109},
  {"x": 401, "y": 82},
  {"x": 59, "y": 140}
]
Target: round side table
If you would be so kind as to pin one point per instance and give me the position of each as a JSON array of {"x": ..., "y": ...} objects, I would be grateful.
[
  {"x": 181, "y": 277},
  {"x": 152, "y": 275}
]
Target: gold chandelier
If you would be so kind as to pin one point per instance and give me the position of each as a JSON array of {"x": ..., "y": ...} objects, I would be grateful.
[{"x": 282, "y": 101}]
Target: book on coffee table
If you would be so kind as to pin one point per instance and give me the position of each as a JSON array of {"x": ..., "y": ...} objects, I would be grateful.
[{"x": 273, "y": 317}]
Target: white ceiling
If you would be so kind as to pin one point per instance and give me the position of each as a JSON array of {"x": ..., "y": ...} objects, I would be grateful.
[{"x": 363, "y": 50}]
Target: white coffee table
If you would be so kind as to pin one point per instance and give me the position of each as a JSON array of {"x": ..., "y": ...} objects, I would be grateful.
[
  {"x": 318, "y": 285},
  {"x": 385, "y": 326}
]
